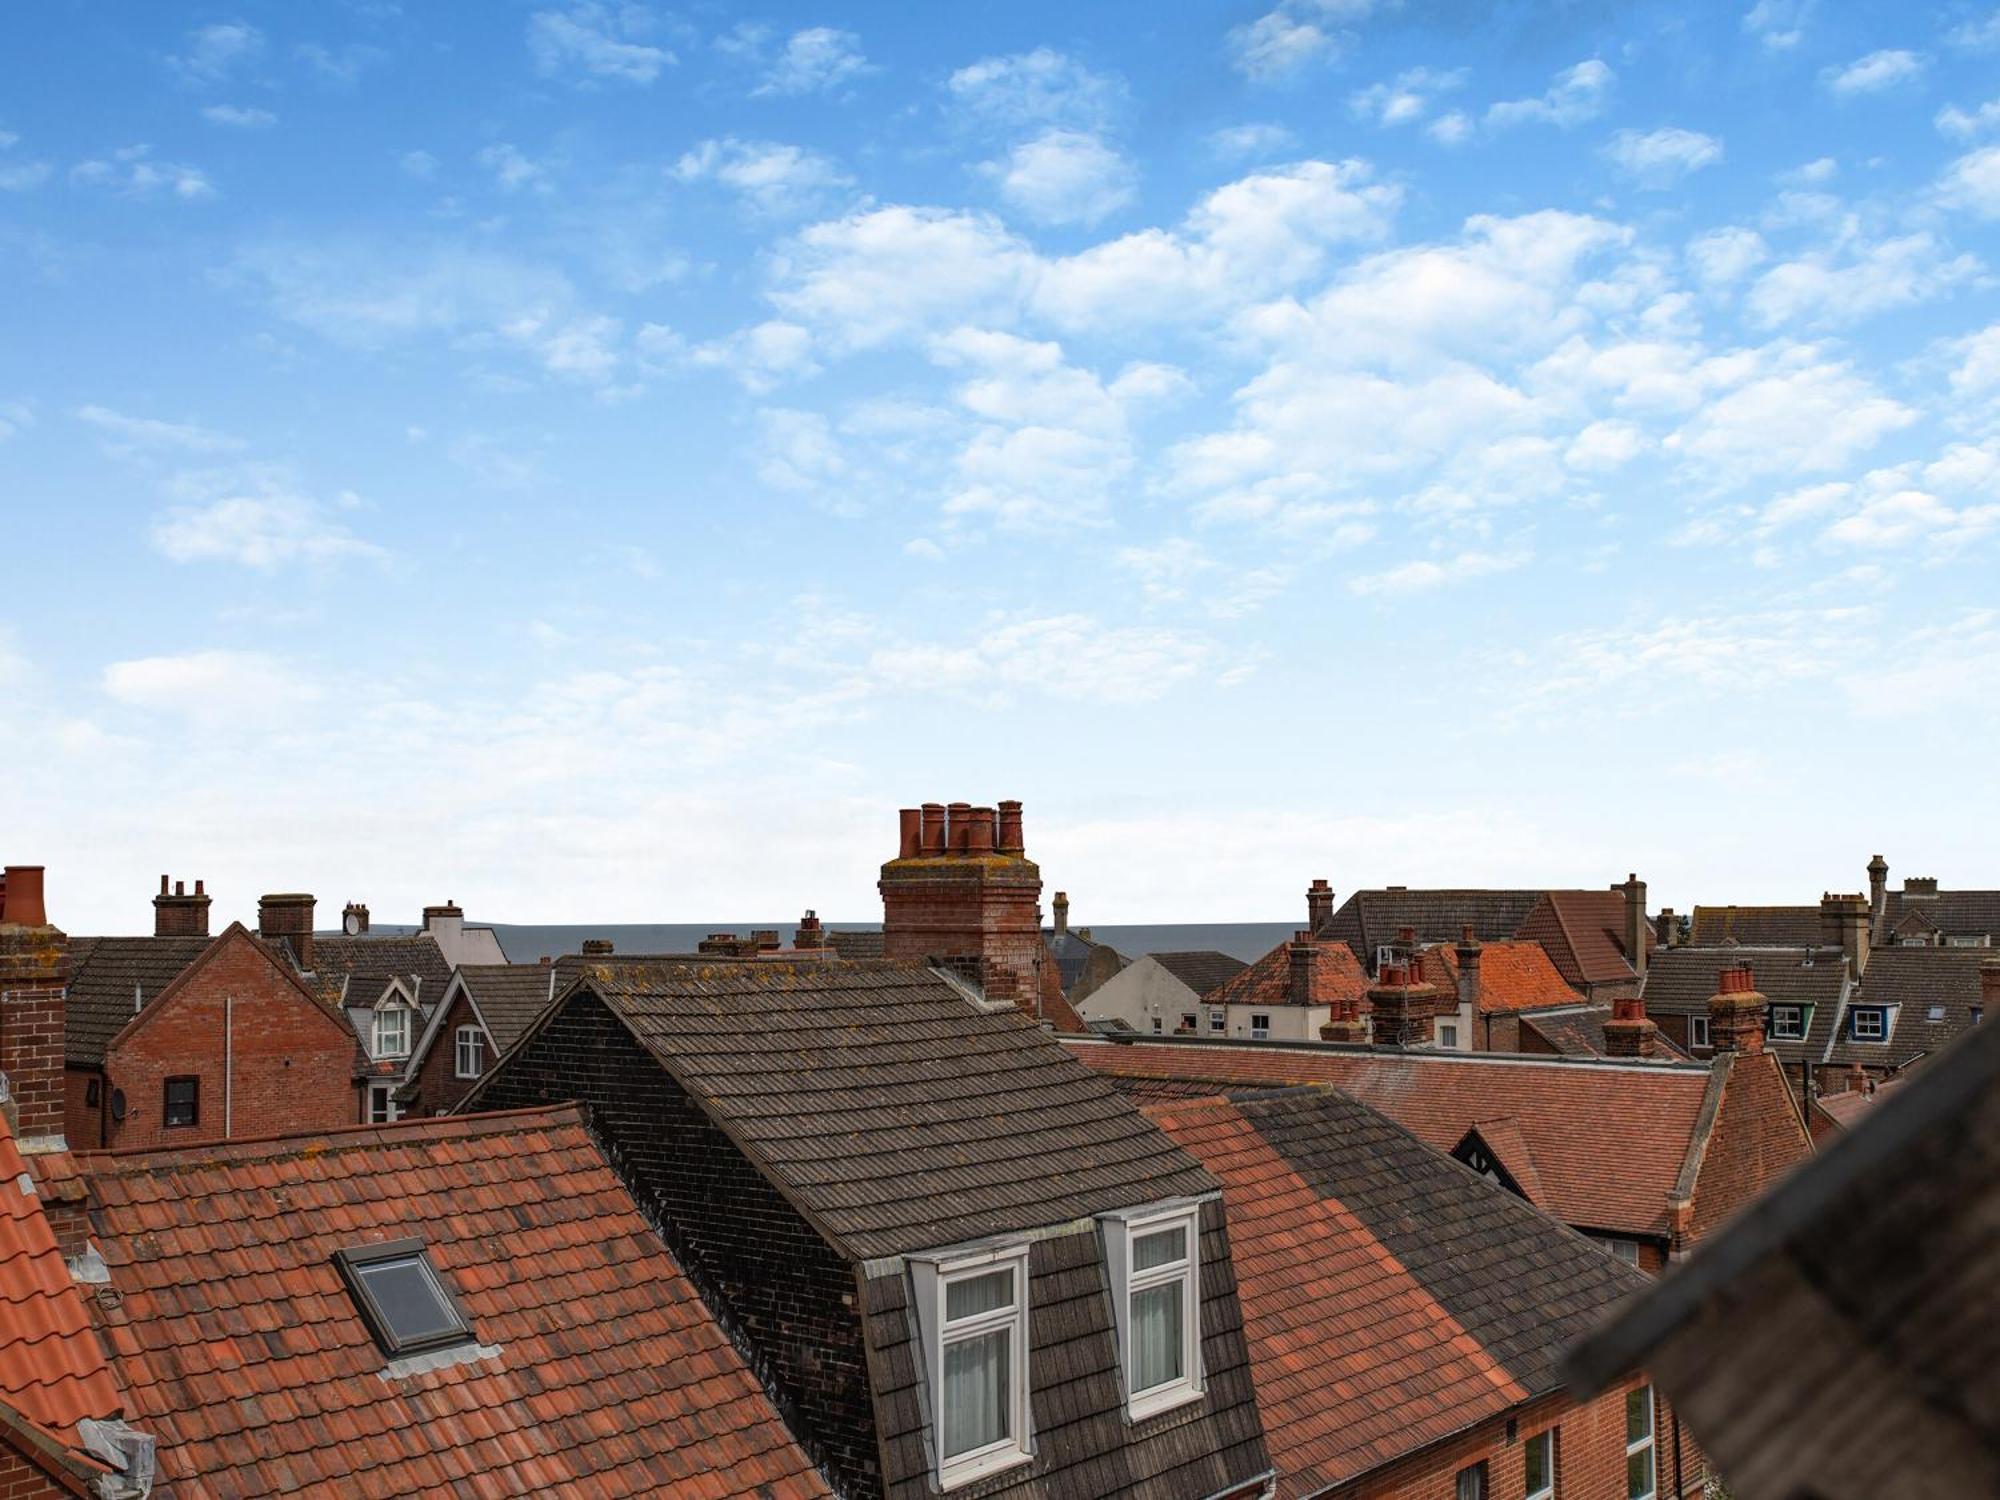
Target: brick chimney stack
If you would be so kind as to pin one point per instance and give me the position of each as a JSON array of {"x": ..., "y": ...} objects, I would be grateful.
[
  {"x": 1634, "y": 935},
  {"x": 597, "y": 948},
  {"x": 288, "y": 915},
  {"x": 1736, "y": 1012},
  {"x": 965, "y": 897},
  {"x": 1630, "y": 1032},
  {"x": 1843, "y": 922},
  {"x": 178, "y": 914},
  {"x": 1667, "y": 928},
  {"x": 1303, "y": 956},
  {"x": 1878, "y": 898},
  {"x": 1061, "y": 910},
  {"x": 1319, "y": 906},
  {"x": 354, "y": 919},
  {"x": 810, "y": 937},
  {"x": 1989, "y": 988},
  {"x": 33, "y": 973},
  {"x": 1345, "y": 1023},
  {"x": 1468, "y": 970},
  {"x": 1404, "y": 1007}
]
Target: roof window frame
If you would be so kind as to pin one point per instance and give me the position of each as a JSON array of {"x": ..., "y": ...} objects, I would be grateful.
[
  {"x": 932, "y": 1277},
  {"x": 352, "y": 1260}
]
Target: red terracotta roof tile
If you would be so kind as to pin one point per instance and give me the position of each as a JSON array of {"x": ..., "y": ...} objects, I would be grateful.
[
  {"x": 1581, "y": 931},
  {"x": 1337, "y": 976},
  {"x": 242, "y": 1350},
  {"x": 1513, "y": 975}
]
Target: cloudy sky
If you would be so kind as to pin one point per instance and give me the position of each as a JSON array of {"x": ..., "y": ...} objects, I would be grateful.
[{"x": 596, "y": 461}]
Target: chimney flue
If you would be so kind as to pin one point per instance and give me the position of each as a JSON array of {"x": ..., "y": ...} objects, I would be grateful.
[
  {"x": 177, "y": 914},
  {"x": 288, "y": 916},
  {"x": 909, "y": 833},
  {"x": 958, "y": 826},
  {"x": 1736, "y": 1012},
  {"x": 33, "y": 971},
  {"x": 1635, "y": 924},
  {"x": 979, "y": 831},
  {"x": 1304, "y": 956},
  {"x": 1402, "y": 1006},
  {"x": 1060, "y": 906},
  {"x": 1844, "y": 925},
  {"x": 1630, "y": 1031},
  {"x": 1012, "y": 840},
  {"x": 932, "y": 815},
  {"x": 1319, "y": 905}
]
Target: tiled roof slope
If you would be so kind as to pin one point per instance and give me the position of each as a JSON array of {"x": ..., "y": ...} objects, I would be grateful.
[
  {"x": 1679, "y": 981},
  {"x": 1512, "y": 976},
  {"x": 363, "y": 966},
  {"x": 52, "y": 1370},
  {"x": 105, "y": 975},
  {"x": 1916, "y": 980},
  {"x": 1200, "y": 971},
  {"x": 1578, "y": 1031},
  {"x": 1582, "y": 931},
  {"x": 244, "y": 1353},
  {"x": 891, "y": 1110},
  {"x": 1577, "y": 1117},
  {"x": 1369, "y": 918},
  {"x": 1963, "y": 912},
  {"x": 1390, "y": 1296},
  {"x": 1755, "y": 926},
  {"x": 508, "y": 996},
  {"x": 1073, "y": 952},
  {"x": 1337, "y": 975}
]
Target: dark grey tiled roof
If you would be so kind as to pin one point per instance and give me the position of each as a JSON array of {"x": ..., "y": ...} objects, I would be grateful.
[
  {"x": 1369, "y": 918},
  {"x": 508, "y": 996},
  {"x": 365, "y": 965},
  {"x": 1578, "y": 1031},
  {"x": 1916, "y": 980},
  {"x": 1200, "y": 972},
  {"x": 894, "y": 1112},
  {"x": 1950, "y": 912},
  {"x": 105, "y": 972},
  {"x": 1083, "y": 1444},
  {"x": 1681, "y": 980},
  {"x": 1755, "y": 926},
  {"x": 1072, "y": 951},
  {"x": 849, "y": 944}
]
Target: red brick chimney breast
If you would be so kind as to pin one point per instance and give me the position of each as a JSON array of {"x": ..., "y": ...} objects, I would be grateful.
[
  {"x": 178, "y": 914},
  {"x": 1736, "y": 1012},
  {"x": 33, "y": 972},
  {"x": 963, "y": 899}
]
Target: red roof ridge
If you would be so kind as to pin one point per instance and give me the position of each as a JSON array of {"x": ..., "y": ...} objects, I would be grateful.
[{"x": 482, "y": 1122}]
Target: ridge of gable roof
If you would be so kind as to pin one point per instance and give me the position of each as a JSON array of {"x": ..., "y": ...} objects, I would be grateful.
[{"x": 235, "y": 932}]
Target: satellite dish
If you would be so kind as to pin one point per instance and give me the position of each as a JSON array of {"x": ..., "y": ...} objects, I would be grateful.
[
  {"x": 352, "y": 923},
  {"x": 118, "y": 1104}
]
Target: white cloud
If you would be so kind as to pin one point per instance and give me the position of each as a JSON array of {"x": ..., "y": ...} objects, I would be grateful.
[
  {"x": 1284, "y": 40},
  {"x": 125, "y": 434},
  {"x": 513, "y": 170},
  {"x": 1792, "y": 409},
  {"x": 1857, "y": 281},
  {"x": 1410, "y": 97},
  {"x": 1578, "y": 94},
  {"x": 257, "y": 521},
  {"x": 214, "y": 686},
  {"x": 1964, "y": 124},
  {"x": 1071, "y": 656},
  {"x": 775, "y": 181},
  {"x": 1982, "y": 35},
  {"x": 14, "y": 417},
  {"x": 22, "y": 176},
  {"x": 1424, "y": 573},
  {"x": 1906, "y": 517},
  {"x": 419, "y": 164},
  {"x": 1661, "y": 158},
  {"x": 1165, "y": 568},
  {"x": 761, "y": 358},
  {"x": 132, "y": 173},
  {"x": 590, "y": 41},
  {"x": 1064, "y": 177},
  {"x": 1873, "y": 74},
  {"x": 238, "y": 116},
  {"x": 1042, "y": 87},
  {"x": 1605, "y": 445},
  {"x": 1725, "y": 256},
  {"x": 797, "y": 451},
  {"x": 212, "y": 53},
  {"x": 1452, "y": 129},
  {"x": 1973, "y": 183},
  {"x": 1778, "y": 24},
  {"x": 1241, "y": 142},
  {"x": 815, "y": 61}
]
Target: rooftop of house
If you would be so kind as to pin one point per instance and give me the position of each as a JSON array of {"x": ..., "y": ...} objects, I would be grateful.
[
  {"x": 110, "y": 980},
  {"x": 508, "y": 997},
  {"x": 1864, "y": 1287},
  {"x": 1200, "y": 971},
  {"x": 1368, "y": 919},
  {"x": 356, "y": 970},
  {"x": 591, "y": 1361},
  {"x": 1953, "y": 913},
  {"x": 1575, "y": 1116},
  {"x": 1755, "y": 926},
  {"x": 1513, "y": 975},
  {"x": 1933, "y": 993},
  {"x": 1578, "y": 1031},
  {"x": 853, "y": 944},
  {"x": 1391, "y": 1297},
  {"x": 1073, "y": 949},
  {"x": 1337, "y": 976},
  {"x": 1583, "y": 934},
  {"x": 1679, "y": 981},
  {"x": 889, "y": 1107}
]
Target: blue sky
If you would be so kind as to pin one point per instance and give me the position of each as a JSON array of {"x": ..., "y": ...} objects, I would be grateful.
[{"x": 598, "y": 461}]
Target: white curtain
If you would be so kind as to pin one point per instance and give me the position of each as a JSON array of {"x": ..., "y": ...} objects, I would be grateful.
[
  {"x": 976, "y": 1391},
  {"x": 1157, "y": 1335}
]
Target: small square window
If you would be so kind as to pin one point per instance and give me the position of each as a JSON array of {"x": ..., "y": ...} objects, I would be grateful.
[
  {"x": 1868, "y": 1024},
  {"x": 1190, "y": 1021},
  {"x": 401, "y": 1297},
  {"x": 1471, "y": 1483},
  {"x": 1260, "y": 1026},
  {"x": 1788, "y": 1023},
  {"x": 180, "y": 1103},
  {"x": 1698, "y": 1035},
  {"x": 1448, "y": 1035},
  {"x": 1538, "y": 1466},
  {"x": 1159, "y": 1026},
  {"x": 1218, "y": 1020},
  {"x": 1936, "y": 1013}
]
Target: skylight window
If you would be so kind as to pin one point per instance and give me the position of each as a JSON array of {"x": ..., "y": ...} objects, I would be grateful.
[{"x": 401, "y": 1297}]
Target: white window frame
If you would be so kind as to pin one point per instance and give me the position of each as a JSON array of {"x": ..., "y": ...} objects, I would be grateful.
[
  {"x": 1698, "y": 1033},
  {"x": 1802, "y": 1023},
  {"x": 930, "y": 1276},
  {"x": 1120, "y": 1231},
  {"x": 382, "y": 1013},
  {"x": 1260, "y": 1026},
  {"x": 1638, "y": 1445},
  {"x": 1547, "y": 1438},
  {"x": 1159, "y": 1026},
  {"x": 392, "y": 1108},
  {"x": 1218, "y": 1021},
  {"x": 1877, "y": 1015},
  {"x": 476, "y": 1036},
  {"x": 1447, "y": 1034}
]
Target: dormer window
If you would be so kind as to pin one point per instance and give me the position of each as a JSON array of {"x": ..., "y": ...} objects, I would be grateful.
[
  {"x": 392, "y": 1031},
  {"x": 402, "y": 1298},
  {"x": 1788, "y": 1023},
  {"x": 1154, "y": 1260},
  {"x": 972, "y": 1311},
  {"x": 1869, "y": 1023}
]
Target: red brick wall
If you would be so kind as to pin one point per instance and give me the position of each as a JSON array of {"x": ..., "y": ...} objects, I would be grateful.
[
  {"x": 1757, "y": 1140},
  {"x": 1590, "y": 1455},
  {"x": 21, "y": 1479},
  {"x": 439, "y": 1088},
  {"x": 31, "y": 1027},
  {"x": 83, "y": 1122},
  {"x": 293, "y": 1063},
  {"x": 985, "y": 906}
]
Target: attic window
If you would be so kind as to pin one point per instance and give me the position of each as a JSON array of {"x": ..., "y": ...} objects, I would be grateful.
[
  {"x": 972, "y": 1311},
  {"x": 1154, "y": 1265},
  {"x": 1788, "y": 1023},
  {"x": 401, "y": 1297},
  {"x": 392, "y": 1031},
  {"x": 1870, "y": 1024}
]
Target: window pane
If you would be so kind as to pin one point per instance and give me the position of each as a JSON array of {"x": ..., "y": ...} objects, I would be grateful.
[
  {"x": 1536, "y": 1455},
  {"x": 408, "y": 1301},
  {"x": 1162, "y": 1247},
  {"x": 975, "y": 1391},
  {"x": 978, "y": 1294},
  {"x": 1639, "y": 1475},
  {"x": 1639, "y": 1414},
  {"x": 1157, "y": 1335},
  {"x": 1472, "y": 1483}
]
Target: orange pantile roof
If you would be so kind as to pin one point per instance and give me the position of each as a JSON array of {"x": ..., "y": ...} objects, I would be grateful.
[
  {"x": 1582, "y": 932},
  {"x": 1514, "y": 975},
  {"x": 1390, "y": 1299},
  {"x": 599, "y": 1370},
  {"x": 1608, "y": 1139},
  {"x": 1337, "y": 976},
  {"x": 52, "y": 1370}
]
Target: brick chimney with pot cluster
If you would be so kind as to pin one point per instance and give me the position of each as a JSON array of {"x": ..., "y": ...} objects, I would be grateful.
[
  {"x": 179, "y": 912},
  {"x": 962, "y": 890},
  {"x": 1404, "y": 1007},
  {"x": 33, "y": 974},
  {"x": 1736, "y": 1012}
]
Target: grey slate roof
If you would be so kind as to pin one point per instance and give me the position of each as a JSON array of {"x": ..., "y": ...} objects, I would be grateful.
[
  {"x": 895, "y": 1113},
  {"x": 1073, "y": 953},
  {"x": 1954, "y": 913},
  {"x": 1201, "y": 971},
  {"x": 1839, "y": 1339},
  {"x": 1681, "y": 980},
  {"x": 1367, "y": 919},
  {"x": 1755, "y": 926},
  {"x": 1916, "y": 980},
  {"x": 508, "y": 997},
  {"x": 104, "y": 974},
  {"x": 365, "y": 965}
]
